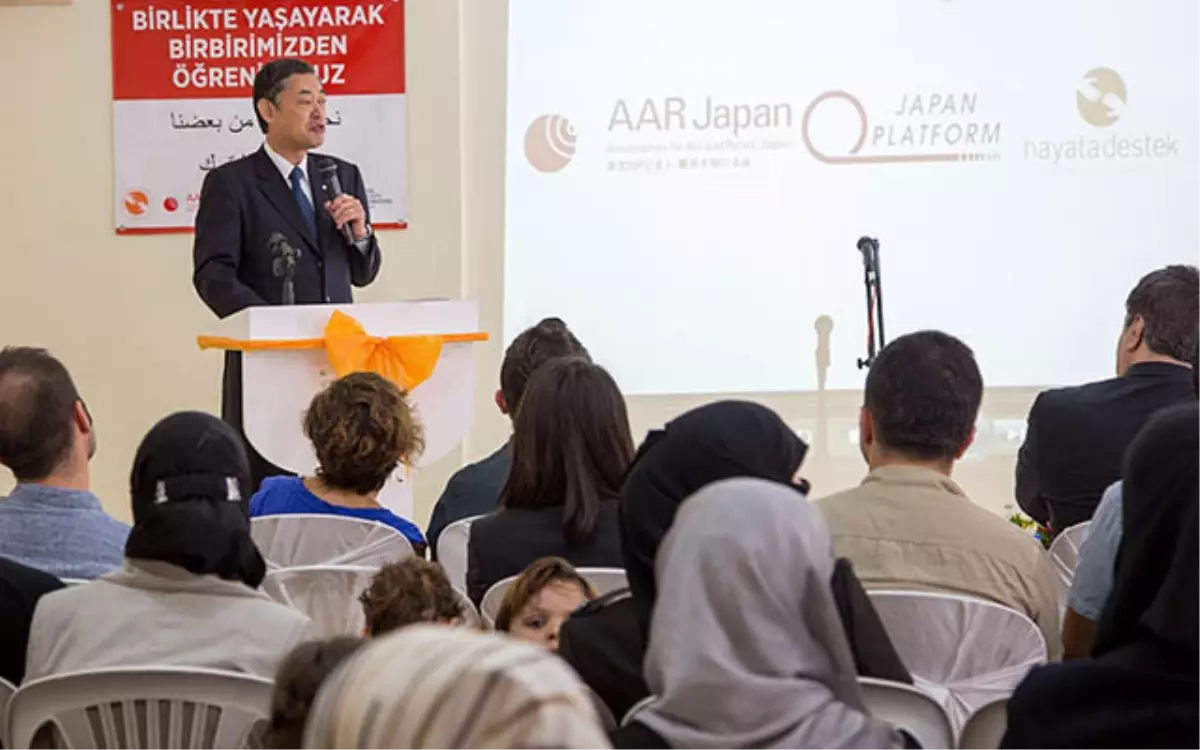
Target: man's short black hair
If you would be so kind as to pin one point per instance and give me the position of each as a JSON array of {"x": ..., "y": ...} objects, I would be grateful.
[
  {"x": 548, "y": 340},
  {"x": 923, "y": 393},
  {"x": 271, "y": 80},
  {"x": 1167, "y": 301},
  {"x": 37, "y": 412}
]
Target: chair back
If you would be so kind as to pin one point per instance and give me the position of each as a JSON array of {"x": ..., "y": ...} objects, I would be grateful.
[
  {"x": 637, "y": 708},
  {"x": 452, "y": 551},
  {"x": 138, "y": 707},
  {"x": 986, "y": 727},
  {"x": 6, "y": 693},
  {"x": 908, "y": 708},
  {"x": 966, "y": 652},
  {"x": 605, "y": 580},
  {"x": 1064, "y": 553},
  {"x": 301, "y": 539},
  {"x": 328, "y": 594},
  {"x": 489, "y": 605}
]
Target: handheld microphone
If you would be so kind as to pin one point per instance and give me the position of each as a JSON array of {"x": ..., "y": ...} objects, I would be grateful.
[
  {"x": 333, "y": 188},
  {"x": 284, "y": 265}
]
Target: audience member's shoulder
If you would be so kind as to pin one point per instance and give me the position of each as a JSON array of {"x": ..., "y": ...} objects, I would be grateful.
[{"x": 1072, "y": 396}]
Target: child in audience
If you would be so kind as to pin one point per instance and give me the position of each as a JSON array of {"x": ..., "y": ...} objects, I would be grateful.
[
  {"x": 541, "y": 599},
  {"x": 361, "y": 428},
  {"x": 406, "y": 592},
  {"x": 300, "y": 677},
  {"x": 429, "y": 686}
]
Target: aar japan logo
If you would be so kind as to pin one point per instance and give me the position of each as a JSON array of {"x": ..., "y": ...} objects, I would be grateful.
[{"x": 550, "y": 143}]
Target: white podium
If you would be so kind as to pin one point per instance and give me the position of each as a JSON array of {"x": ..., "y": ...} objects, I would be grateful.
[{"x": 278, "y": 385}]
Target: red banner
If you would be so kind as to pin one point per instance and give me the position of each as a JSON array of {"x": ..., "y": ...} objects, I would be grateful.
[{"x": 211, "y": 49}]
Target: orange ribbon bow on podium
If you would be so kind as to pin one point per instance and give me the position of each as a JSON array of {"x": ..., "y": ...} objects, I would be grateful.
[{"x": 407, "y": 361}]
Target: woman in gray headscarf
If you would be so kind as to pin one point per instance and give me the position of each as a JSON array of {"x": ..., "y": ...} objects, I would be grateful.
[{"x": 746, "y": 645}]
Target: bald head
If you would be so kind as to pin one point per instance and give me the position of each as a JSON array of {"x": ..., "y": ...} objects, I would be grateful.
[{"x": 40, "y": 414}]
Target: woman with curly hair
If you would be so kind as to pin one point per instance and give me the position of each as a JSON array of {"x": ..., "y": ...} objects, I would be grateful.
[{"x": 361, "y": 428}]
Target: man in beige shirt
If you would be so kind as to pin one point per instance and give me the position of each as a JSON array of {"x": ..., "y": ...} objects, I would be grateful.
[{"x": 908, "y": 525}]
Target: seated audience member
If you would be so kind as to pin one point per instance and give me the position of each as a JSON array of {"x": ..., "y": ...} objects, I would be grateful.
[
  {"x": 361, "y": 428},
  {"x": 300, "y": 676},
  {"x": 1097, "y": 560},
  {"x": 909, "y": 525},
  {"x": 433, "y": 687},
  {"x": 571, "y": 446},
  {"x": 1141, "y": 688},
  {"x": 541, "y": 599},
  {"x": 407, "y": 592},
  {"x": 189, "y": 592},
  {"x": 51, "y": 521},
  {"x": 474, "y": 490},
  {"x": 606, "y": 640},
  {"x": 1077, "y": 436},
  {"x": 747, "y": 648},
  {"x": 20, "y": 590}
]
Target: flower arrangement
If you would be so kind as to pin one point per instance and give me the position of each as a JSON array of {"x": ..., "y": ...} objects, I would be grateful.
[{"x": 1022, "y": 521}]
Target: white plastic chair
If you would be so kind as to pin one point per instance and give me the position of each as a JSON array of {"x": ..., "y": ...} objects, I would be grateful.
[
  {"x": 964, "y": 651},
  {"x": 637, "y": 708},
  {"x": 605, "y": 580},
  {"x": 302, "y": 539},
  {"x": 489, "y": 605},
  {"x": 452, "y": 551},
  {"x": 986, "y": 727},
  {"x": 909, "y": 708},
  {"x": 141, "y": 707},
  {"x": 328, "y": 594},
  {"x": 1064, "y": 553},
  {"x": 6, "y": 693}
]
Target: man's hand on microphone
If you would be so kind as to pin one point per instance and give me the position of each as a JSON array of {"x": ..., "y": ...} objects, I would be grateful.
[{"x": 346, "y": 209}]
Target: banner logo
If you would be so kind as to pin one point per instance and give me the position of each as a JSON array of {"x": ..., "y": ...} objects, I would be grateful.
[
  {"x": 549, "y": 143},
  {"x": 136, "y": 203},
  {"x": 1100, "y": 97}
]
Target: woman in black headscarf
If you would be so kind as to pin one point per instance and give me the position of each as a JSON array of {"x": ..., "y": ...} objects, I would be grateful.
[
  {"x": 606, "y": 640},
  {"x": 1141, "y": 688},
  {"x": 188, "y": 594}
]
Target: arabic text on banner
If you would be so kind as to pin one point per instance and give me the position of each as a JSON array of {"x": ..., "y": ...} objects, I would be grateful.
[{"x": 182, "y": 79}]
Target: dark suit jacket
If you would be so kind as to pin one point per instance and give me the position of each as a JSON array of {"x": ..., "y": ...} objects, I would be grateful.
[
  {"x": 1077, "y": 438},
  {"x": 474, "y": 490},
  {"x": 242, "y": 204},
  {"x": 506, "y": 542},
  {"x": 20, "y": 590}
]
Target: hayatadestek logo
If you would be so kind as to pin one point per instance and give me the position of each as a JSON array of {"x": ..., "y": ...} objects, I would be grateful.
[
  {"x": 549, "y": 143},
  {"x": 1101, "y": 97},
  {"x": 136, "y": 203}
]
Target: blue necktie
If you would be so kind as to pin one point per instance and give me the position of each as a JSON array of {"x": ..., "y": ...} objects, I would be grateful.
[{"x": 306, "y": 208}]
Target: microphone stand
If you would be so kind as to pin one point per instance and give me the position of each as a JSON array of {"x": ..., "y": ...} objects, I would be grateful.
[
  {"x": 869, "y": 248},
  {"x": 285, "y": 266}
]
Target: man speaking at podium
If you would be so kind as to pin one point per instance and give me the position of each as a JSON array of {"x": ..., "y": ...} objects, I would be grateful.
[{"x": 281, "y": 225}]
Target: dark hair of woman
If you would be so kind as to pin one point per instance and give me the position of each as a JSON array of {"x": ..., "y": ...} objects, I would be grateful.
[{"x": 571, "y": 445}]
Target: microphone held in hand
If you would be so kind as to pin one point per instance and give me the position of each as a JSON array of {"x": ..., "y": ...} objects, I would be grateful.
[
  {"x": 284, "y": 265},
  {"x": 333, "y": 188}
]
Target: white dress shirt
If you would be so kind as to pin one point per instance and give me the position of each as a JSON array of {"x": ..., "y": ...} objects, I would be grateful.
[{"x": 285, "y": 168}]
